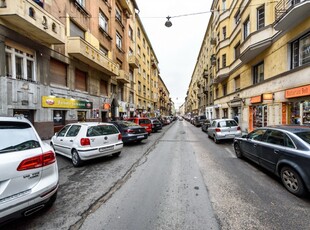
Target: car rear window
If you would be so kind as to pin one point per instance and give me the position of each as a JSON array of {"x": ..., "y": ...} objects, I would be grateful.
[
  {"x": 227, "y": 123},
  {"x": 144, "y": 121},
  {"x": 17, "y": 136},
  {"x": 100, "y": 130},
  {"x": 305, "y": 136}
]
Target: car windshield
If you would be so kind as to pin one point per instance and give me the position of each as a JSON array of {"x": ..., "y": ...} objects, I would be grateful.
[
  {"x": 100, "y": 130},
  {"x": 24, "y": 137},
  {"x": 305, "y": 136}
]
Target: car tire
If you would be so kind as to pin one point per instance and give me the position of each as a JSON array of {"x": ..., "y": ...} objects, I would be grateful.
[
  {"x": 292, "y": 181},
  {"x": 76, "y": 160},
  {"x": 238, "y": 150},
  {"x": 116, "y": 154},
  {"x": 216, "y": 141}
]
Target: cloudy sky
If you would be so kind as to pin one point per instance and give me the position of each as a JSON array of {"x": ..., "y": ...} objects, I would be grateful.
[{"x": 177, "y": 47}]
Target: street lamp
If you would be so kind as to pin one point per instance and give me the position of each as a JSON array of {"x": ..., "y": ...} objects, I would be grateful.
[{"x": 168, "y": 23}]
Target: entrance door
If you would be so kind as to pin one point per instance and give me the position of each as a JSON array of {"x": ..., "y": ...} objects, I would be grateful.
[{"x": 29, "y": 114}]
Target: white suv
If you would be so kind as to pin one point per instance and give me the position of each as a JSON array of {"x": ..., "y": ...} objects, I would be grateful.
[
  {"x": 87, "y": 140},
  {"x": 28, "y": 170}
]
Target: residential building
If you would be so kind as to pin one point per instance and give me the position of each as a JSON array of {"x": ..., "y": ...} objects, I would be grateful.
[
  {"x": 67, "y": 61},
  {"x": 261, "y": 63}
]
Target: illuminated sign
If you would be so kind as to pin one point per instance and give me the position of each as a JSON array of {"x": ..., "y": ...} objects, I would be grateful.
[{"x": 65, "y": 103}]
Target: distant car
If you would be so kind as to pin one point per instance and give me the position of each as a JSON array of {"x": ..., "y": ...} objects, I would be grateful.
[
  {"x": 283, "y": 150},
  {"x": 198, "y": 120},
  {"x": 131, "y": 132},
  {"x": 142, "y": 121},
  {"x": 156, "y": 124},
  {"x": 223, "y": 129},
  {"x": 205, "y": 125},
  {"x": 28, "y": 170},
  {"x": 87, "y": 140}
]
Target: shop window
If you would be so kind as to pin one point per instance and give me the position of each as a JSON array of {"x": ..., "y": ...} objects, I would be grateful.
[
  {"x": 20, "y": 63},
  {"x": 300, "y": 50},
  {"x": 259, "y": 116},
  {"x": 59, "y": 119},
  {"x": 299, "y": 111},
  {"x": 81, "y": 116}
]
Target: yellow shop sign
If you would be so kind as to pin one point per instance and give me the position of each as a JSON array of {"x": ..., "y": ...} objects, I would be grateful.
[{"x": 56, "y": 102}]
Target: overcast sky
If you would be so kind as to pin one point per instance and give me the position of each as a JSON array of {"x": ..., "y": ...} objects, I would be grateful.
[{"x": 177, "y": 47}]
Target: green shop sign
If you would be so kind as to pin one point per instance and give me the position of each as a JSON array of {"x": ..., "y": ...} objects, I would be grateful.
[{"x": 56, "y": 102}]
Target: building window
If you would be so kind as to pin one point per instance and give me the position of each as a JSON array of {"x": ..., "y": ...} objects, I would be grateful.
[
  {"x": 237, "y": 51},
  {"x": 80, "y": 80},
  {"x": 224, "y": 32},
  {"x": 260, "y": 17},
  {"x": 81, "y": 2},
  {"x": 237, "y": 83},
  {"x": 130, "y": 33},
  {"x": 300, "y": 51},
  {"x": 118, "y": 14},
  {"x": 223, "y": 5},
  {"x": 104, "y": 87},
  {"x": 76, "y": 31},
  {"x": 119, "y": 41},
  {"x": 139, "y": 33},
  {"x": 237, "y": 17},
  {"x": 224, "y": 60},
  {"x": 258, "y": 73},
  {"x": 103, "y": 22},
  {"x": 139, "y": 86},
  {"x": 224, "y": 89},
  {"x": 113, "y": 89},
  {"x": 143, "y": 42},
  {"x": 19, "y": 64},
  {"x": 217, "y": 93},
  {"x": 32, "y": 13},
  {"x": 246, "y": 28},
  {"x": 139, "y": 50},
  {"x": 103, "y": 50}
]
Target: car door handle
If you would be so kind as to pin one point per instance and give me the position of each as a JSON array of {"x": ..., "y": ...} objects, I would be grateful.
[
  {"x": 61, "y": 139},
  {"x": 71, "y": 140},
  {"x": 276, "y": 151}
]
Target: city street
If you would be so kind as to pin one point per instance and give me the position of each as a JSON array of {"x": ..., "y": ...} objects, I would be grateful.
[{"x": 177, "y": 179}]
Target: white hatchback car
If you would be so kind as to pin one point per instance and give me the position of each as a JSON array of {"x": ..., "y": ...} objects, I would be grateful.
[
  {"x": 87, "y": 140},
  {"x": 28, "y": 170},
  {"x": 223, "y": 129}
]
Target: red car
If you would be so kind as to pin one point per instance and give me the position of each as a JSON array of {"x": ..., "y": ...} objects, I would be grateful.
[{"x": 142, "y": 121}]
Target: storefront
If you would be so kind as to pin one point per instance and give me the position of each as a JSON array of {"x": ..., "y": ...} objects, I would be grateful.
[
  {"x": 298, "y": 105},
  {"x": 258, "y": 113},
  {"x": 64, "y": 108}
]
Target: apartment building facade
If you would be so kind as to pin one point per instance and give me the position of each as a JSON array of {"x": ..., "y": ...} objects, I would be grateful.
[
  {"x": 259, "y": 64},
  {"x": 67, "y": 61}
]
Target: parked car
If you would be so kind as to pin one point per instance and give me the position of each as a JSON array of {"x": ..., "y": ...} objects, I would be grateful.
[
  {"x": 156, "y": 124},
  {"x": 198, "y": 120},
  {"x": 28, "y": 170},
  {"x": 87, "y": 140},
  {"x": 131, "y": 132},
  {"x": 142, "y": 121},
  {"x": 222, "y": 129},
  {"x": 205, "y": 125},
  {"x": 283, "y": 150}
]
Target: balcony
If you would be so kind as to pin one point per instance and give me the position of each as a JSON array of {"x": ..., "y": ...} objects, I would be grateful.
[
  {"x": 30, "y": 19},
  {"x": 126, "y": 6},
  {"x": 221, "y": 75},
  {"x": 123, "y": 77},
  {"x": 82, "y": 50},
  {"x": 256, "y": 43},
  {"x": 133, "y": 61},
  {"x": 291, "y": 13}
]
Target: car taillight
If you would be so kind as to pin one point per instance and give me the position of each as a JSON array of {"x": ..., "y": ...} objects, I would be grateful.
[
  {"x": 85, "y": 141},
  {"x": 120, "y": 137},
  {"x": 37, "y": 161},
  {"x": 129, "y": 131},
  {"x": 238, "y": 128},
  {"x": 217, "y": 130}
]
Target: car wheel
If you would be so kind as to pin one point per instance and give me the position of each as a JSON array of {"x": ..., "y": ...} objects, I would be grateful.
[
  {"x": 116, "y": 154},
  {"x": 292, "y": 181},
  {"x": 238, "y": 150},
  {"x": 76, "y": 160},
  {"x": 216, "y": 141}
]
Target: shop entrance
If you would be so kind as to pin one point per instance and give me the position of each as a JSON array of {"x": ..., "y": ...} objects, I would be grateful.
[{"x": 59, "y": 118}]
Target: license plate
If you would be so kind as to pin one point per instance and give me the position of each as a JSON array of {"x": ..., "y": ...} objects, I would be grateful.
[
  {"x": 140, "y": 136},
  {"x": 106, "y": 149}
]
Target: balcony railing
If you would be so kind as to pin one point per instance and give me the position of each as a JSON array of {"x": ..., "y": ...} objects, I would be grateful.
[
  {"x": 133, "y": 61},
  {"x": 30, "y": 19},
  {"x": 290, "y": 13},
  {"x": 82, "y": 50},
  {"x": 123, "y": 77},
  {"x": 256, "y": 43}
]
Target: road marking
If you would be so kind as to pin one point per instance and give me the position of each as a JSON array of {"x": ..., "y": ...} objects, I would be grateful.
[{"x": 231, "y": 153}]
